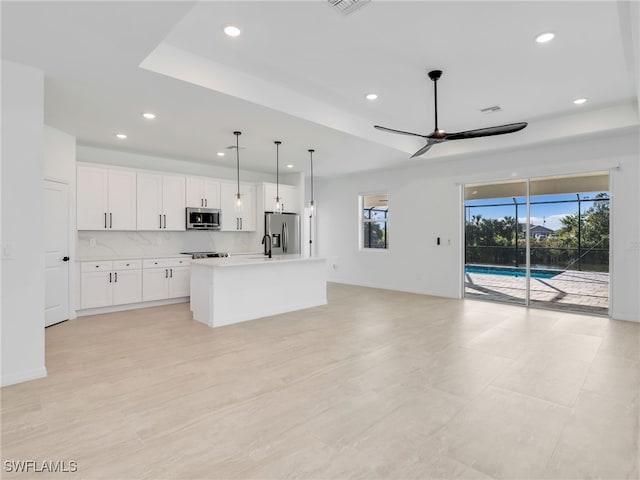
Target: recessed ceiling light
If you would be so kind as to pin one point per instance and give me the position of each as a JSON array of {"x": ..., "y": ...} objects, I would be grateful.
[
  {"x": 290, "y": 166},
  {"x": 545, "y": 37},
  {"x": 372, "y": 96},
  {"x": 121, "y": 136},
  {"x": 475, "y": 192},
  {"x": 580, "y": 101},
  {"x": 220, "y": 154},
  {"x": 149, "y": 115},
  {"x": 232, "y": 30}
]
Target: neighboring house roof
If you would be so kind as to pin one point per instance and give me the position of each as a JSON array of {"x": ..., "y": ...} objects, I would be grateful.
[{"x": 540, "y": 230}]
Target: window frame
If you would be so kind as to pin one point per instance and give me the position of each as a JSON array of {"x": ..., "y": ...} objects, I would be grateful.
[{"x": 362, "y": 221}]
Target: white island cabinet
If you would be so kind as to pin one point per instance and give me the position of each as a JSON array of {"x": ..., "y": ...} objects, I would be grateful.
[{"x": 237, "y": 289}]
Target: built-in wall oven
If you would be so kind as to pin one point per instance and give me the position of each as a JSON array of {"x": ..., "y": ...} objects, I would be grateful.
[{"x": 203, "y": 219}]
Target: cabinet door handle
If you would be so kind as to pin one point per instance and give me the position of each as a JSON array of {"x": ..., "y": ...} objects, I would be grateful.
[
  {"x": 165, "y": 221},
  {"x": 105, "y": 219},
  {"x": 160, "y": 220},
  {"x": 116, "y": 275},
  {"x": 201, "y": 202},
  {"x": 110, "y": 220},
  {"x": 166, "y": 273},
  {"x": 205, "y": 202},
  {"x": 240, "y": 223},
  {"x": 109, "y": 277},
  {"x": 171, "y": 270}
]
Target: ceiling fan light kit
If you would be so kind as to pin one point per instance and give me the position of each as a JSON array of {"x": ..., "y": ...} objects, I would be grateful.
[{"x": 439, "y": 136}]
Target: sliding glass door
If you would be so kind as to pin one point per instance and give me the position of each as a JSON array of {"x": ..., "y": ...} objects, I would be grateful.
[
  {"x": 495, "y": 245},
  {"x": 541, "y": 242}
]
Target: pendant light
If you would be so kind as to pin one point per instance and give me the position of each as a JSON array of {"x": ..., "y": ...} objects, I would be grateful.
[
  {"x": 312, "y": 206},
  {"x": 278, "y": 207},
  {"x": 238, "y": 196}
]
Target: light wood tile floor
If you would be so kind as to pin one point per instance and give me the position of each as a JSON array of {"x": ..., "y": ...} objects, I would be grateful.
[{"x": 376, "y": 384}]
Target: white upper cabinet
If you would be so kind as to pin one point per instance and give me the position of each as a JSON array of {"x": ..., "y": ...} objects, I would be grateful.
[
  {"x": 122, "y": 200},
  {"x": 161, "y": 202},
  {"x": 173, "y": 206},
  {"x": 203, "y": 192},
  {"x": 149, "y": 201},
  {"x": 106, "y": 198},
  {"x": 288, "y": 197},
  {"x": 233, "y": 220}
]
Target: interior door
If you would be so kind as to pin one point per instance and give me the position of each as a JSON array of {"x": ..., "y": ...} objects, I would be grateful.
[{"x": 56, "y": 251}]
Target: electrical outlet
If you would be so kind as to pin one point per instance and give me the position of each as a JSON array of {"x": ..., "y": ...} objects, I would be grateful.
[{"x": 92, "y": 242}]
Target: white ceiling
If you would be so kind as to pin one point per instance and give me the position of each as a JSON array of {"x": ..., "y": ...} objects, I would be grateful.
[{"x": 300, "y": 70}]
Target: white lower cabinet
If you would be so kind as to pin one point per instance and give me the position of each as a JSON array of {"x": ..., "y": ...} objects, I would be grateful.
[
  {"x": 120, "y": 282},
  {"x": 103, "y": 284},
  {"x": 165, "y": 278}
]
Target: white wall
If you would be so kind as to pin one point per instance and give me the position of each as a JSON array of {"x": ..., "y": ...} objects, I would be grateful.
[
  {"x": 22, "y": 323},
  {"x": 425, "y": 203}
]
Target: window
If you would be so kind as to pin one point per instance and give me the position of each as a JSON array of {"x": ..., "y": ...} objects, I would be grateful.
[{"x": 375, "y": 221}]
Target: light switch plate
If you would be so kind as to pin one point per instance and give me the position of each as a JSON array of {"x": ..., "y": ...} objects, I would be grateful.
[{"x": 7, "y": 251}]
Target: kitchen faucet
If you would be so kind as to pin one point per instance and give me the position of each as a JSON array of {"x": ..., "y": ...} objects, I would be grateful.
[{"x": 267, "y": 237}]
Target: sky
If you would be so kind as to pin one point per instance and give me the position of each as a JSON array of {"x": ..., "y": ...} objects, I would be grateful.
[{"x": 547, "y": 215}]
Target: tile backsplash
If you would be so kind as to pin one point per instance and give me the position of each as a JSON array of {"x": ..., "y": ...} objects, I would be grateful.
[{"x": 98, "y": 243}]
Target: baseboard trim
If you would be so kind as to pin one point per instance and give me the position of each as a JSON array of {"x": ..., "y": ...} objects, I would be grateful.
[
  {"x": 20, "y": 377},
  {"x": 627, "y": 317},
  {"x": 130, "y": 306}
]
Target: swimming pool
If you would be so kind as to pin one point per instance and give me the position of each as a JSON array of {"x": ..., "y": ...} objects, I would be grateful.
[{"x": 511, "y": 271}]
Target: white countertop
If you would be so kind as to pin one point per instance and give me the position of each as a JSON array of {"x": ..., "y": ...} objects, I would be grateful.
[
  {"x": 108, "y": 258},
  {"x": 244, "y": 260}
]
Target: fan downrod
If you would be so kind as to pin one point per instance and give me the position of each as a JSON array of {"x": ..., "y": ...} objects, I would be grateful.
[{"x": 435, "y": 75}]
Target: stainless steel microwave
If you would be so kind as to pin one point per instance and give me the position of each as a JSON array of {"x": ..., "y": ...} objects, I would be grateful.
[{"x": 203, "y": 219}]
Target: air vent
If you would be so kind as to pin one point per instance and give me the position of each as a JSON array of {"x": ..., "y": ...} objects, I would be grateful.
[
  {"x": 494, "y": 109},
  {"x": 347, "y": 6}
]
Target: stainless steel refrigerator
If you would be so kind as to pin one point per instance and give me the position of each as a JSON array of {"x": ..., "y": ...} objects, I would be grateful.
[{"x": 284, "y": 229}]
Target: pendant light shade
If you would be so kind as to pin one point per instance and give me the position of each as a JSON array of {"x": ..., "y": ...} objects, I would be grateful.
[
  {"x": 278, "y": 206},
  {"x": 238, "y": 195}
]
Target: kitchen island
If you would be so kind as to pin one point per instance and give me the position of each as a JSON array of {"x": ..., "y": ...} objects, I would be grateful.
[{"x": 236, "y": 289}]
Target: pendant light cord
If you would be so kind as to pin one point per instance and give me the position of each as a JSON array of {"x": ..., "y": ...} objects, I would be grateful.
[
  {"x": 311, "y": 155},
  {"x": 237, "y": 134},
  {"x": 277, "y": 142}
]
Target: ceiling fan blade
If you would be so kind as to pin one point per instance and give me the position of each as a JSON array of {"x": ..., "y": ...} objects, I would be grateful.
[
  {"x": 391, "y": 130},
  {"x": 422, "y": 150},
  {"x": 486, "y": 132}
]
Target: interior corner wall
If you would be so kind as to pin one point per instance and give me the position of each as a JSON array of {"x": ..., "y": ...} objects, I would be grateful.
[
  {"x": 22, "y": 323},
  {"x": 425, "y": 203},
  {"x": 60, "y": 165}
]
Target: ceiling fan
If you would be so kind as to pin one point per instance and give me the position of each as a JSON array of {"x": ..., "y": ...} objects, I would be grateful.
[{"x": 439, "y": 136}]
